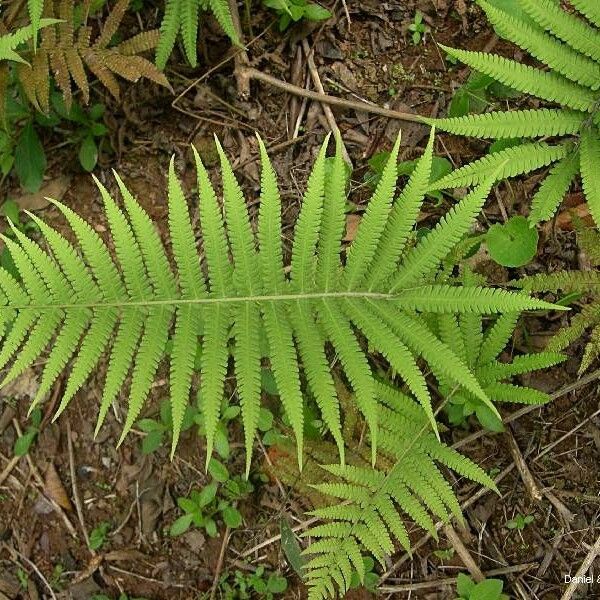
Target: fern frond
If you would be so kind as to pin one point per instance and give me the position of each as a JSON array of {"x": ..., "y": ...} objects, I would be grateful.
[
  {"x": 403, "y": 214},
  {"x": 372, "y": 224},
  {"x": 546, "y": 48},
  {"x": 515, "y": 123},
  {"x": 547, "y": 85},
  {"x": 308, "y": 226},
  {"x": 590, "y": 167},
  {"x": 220, "y": 9},
  {"x": 9, "y": 42},
  {"x": 576, "y": 33},
  {"x": 519, "y": 365},
  {"x": 370, "y": 518},
  {"x": 556, "y": 184},
  {"x": 479, "y": 300},
  {"x": 497, "y": 337},
  {"x": 506, "y": 392},
  {"x": 65, "y": 54},
  {"x": 505, "y": 163},
  {"x": 425, "y": 257},
  {"x": 128, "y": 306},
  {"x": 169, "y": 28},
  {"x": 567, "y": 281},
  {"x": 333, "y": 222},
  {"x": 592, "y": 350},
  {"x": 589, "y": 8}
]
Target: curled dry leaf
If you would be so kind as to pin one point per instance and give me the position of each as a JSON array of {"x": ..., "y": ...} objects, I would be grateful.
[{"x": 54, "y": 488}]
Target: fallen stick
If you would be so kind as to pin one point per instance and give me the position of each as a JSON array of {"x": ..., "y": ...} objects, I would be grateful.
[{"x": 257, "y": 75}]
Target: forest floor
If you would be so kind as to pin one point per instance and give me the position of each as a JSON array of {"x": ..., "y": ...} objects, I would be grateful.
[{"x": 365, "y": 53}]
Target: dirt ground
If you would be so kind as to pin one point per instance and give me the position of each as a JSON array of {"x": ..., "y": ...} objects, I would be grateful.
[{"x": 365, "y": 52}]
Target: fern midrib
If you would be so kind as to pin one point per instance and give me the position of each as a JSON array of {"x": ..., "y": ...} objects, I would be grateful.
[{"x": 207, "y": 300}]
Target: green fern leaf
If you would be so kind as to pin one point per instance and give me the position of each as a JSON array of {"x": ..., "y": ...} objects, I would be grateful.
[
  {"x": 590, "y": 167},
  {"x": 514, "y": 124},
  {"x": 505, "y": 163},
  {"x": 589, "y": 8},
  {"x": 546, "y": 85},
  {"x": 549, "y": 195},
  {"x": 576, "y": 33},
  {"x": 546, "y": 48},
  {"x": 220, "y": 8}
]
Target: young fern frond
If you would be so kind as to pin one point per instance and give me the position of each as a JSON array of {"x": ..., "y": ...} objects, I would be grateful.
[
  {"x": 567, "y": 45},
  {"x": 365, "y": 508},
  {"x": 127, "y": 307}
]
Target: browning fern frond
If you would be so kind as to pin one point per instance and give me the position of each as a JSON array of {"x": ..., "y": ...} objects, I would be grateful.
[
  {"x": 567, "y": 46},
  {"x": 127, "y": 307},
  {"x": 66, "y": 53}
]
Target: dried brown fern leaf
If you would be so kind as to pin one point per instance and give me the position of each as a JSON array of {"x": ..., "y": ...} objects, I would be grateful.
[{"x": 67, "y": 54}]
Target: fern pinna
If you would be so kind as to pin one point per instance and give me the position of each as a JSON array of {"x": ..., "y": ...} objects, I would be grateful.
[
  {"x": 66, "y": 52},
  {"x": 480, "y": 347},
  {"x": 568, "y": 44},
  {"x": 181, "y": 16},
  {"x": 579, "y": 283},
  {"x": 363, "y": 508},
  {"x": 89, "y": 307}
]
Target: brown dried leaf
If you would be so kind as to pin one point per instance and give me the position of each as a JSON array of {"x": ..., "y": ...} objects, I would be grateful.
[
  {"x": 111, "y": 24},
  {"x": 54, "y": 488},
  {"x": 102, "y": 73},
  {"x": 54, "y": 189},
  {"x": 146, "y": 40},
  {"x": 77, "y": 71},
  {"x": 61, "y": 74}
]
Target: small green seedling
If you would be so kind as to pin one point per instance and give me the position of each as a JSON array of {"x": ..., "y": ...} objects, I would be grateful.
[
  {"x": 89, "y": 130},
  {"x": 202, "y": 507},
  {"x": 476, "y": 94},
  {"x": 24, "y": 442},
  {"x": 292, "y": 11},
  {"x": 488, "y": 589},
  {"x": 444, "y": 554},
  {"x": 98, "y": 535},
  {"x": 418, "y": 28},
  {"x": 520, "y": 522},
  {"x": 512, "y": 244},
  {"x": 157, "y": 430},
  {"x": 371, "y": 579},
  {"x": 243, "y": 586}
]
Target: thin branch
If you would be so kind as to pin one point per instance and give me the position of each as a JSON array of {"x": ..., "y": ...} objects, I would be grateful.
[{"x": 332, "y": 100}]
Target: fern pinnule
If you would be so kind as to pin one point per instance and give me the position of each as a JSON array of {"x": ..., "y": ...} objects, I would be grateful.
[
  {"x": 401, "y": 219},
  {"x": 127, "y": 304},
  {"x": 368, "y": 236},
  {"x": 585, "y": 283},
  {"x": 9, "y": 42}
]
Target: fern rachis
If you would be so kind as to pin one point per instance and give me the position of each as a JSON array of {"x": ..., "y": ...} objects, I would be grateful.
[{"x": 130, "y": 307}]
